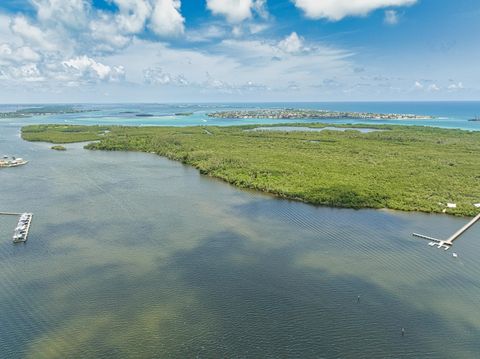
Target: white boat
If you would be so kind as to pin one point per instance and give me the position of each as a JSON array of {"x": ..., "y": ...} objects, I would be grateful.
[
  {"x": 455, "y": 255},
  {"x": 12, "y": 163},
  {"x": 25, "y": 216}
]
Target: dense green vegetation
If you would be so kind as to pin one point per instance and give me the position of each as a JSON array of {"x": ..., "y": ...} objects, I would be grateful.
[
  {"x": 405, "y": 168},
  {"x": 41, "y": 111},
  {"x": 63, "y": 133},
  {"x": 59, "y": 148}
]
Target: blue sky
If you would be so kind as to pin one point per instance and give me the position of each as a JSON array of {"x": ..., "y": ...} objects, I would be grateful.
[{"x": 238, "y": 50}]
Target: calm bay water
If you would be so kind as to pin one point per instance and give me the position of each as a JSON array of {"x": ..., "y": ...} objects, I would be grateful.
[{"x": 134, "y": 256}]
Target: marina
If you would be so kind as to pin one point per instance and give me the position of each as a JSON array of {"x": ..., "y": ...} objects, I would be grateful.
[{"x": 22, "y": 229}]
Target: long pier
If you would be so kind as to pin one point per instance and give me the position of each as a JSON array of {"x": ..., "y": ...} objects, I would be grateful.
[
  {"x": 9, "y": 214},
  {"x": 458, "y": 233},
  {"x": 446, "y": 244}
]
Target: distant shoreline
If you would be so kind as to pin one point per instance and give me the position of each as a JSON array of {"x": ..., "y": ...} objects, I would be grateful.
[
  {"x": 43, "y": 111},
  {"x": 289, "y": 113}
]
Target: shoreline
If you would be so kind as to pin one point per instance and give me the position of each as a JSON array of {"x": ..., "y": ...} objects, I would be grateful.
[
  {"x": 295, "y": 114},
  {"x": 190, "y": 146}
]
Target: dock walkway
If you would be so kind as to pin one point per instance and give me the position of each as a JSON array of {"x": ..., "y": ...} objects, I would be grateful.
[
  {"x": 458, "y": 233},
  {"x": 446, "y": 244}
]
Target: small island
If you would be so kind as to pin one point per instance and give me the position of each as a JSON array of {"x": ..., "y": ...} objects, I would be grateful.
[
  {"x": 289, "y": 113},
  {"x": 43, "y": 111},
  {"x": 59, "y": 148}
]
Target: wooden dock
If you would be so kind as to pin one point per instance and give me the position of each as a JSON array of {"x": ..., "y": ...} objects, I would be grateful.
[
  {"x": 462, "y": 230},
  {"x": 9, "y": 214},
  {"x": 427, "y": 237},
  {"x": 446, "y": 244}
]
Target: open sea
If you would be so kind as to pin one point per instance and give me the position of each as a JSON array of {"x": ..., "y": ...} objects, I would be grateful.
[{"x": 131, "y": 255}]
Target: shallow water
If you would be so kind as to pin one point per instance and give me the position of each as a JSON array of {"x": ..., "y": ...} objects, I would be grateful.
[
  {"x": 448, "y": 114},
  {"x": 132, "y": 255}
]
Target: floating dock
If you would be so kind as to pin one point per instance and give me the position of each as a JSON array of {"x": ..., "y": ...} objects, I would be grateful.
[
  {"x": 23, "y": 228},
  {"x": 446, "y": 244}
]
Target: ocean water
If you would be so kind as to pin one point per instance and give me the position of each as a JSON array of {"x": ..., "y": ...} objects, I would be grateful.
[
  {"x": 131, "y": 255},
  {"x": 448, "y": 114}
]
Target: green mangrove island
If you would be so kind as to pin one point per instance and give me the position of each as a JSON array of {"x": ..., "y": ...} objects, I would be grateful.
[
  {"x": 398, "y": 167},
  {"x": 290, "y": 113},
  {"x": 42, "y": 111}
]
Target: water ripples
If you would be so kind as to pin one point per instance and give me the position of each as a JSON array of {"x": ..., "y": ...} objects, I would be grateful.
[{"x": 131, "y": 255}]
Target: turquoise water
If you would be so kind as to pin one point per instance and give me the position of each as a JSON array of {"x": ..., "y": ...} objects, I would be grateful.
[
  {"x": 448, "y": 114},
  {"x": 134, "y": 256}
]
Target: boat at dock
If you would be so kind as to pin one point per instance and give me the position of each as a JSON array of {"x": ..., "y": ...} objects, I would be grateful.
[{"x": 23, "y": 227}]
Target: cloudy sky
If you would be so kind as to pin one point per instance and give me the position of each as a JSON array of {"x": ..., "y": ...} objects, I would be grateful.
[{"x": 238, "y": 50}]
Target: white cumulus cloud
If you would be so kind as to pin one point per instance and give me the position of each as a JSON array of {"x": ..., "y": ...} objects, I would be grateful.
[
  {"x": 291, "y": 44},
  {"x": 132, "y": 15},
  {"x": 418, "y": 85},
  {"x": 20, "y": 54},
  {"x": 28, "y": 73},
  {"x": 338, "y": 9},
  {"x": 237, "y": 11},
  {"x": 31, "y": 34},
  {"x": 71, "y": 13},
  {"x": 455, "y": 86},
  {"x": 86, "y": 68},
  {"x": 166, "y": 18},
  {"x": 156, "y": 76}
]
